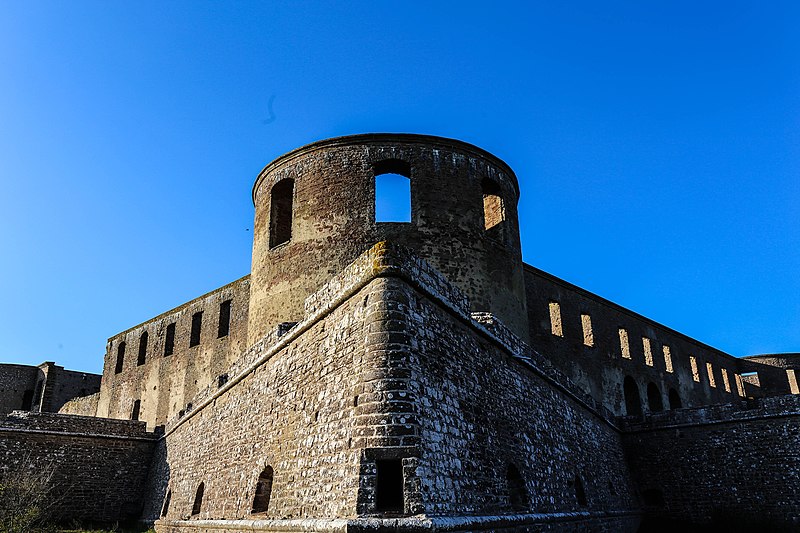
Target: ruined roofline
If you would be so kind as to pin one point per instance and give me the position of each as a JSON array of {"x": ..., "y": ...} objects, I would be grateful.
[
  {"x": 181, "y": 307},
  {"x": 384, "y": 138},
  {"x": 617, "y": 307},
  {"x": 52, "y": 363},
  {"x": 386, "y": 259}
]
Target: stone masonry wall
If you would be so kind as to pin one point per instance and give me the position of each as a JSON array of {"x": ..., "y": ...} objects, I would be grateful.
[
  {"x": 601, "y": 369},
  {"x": 733, "y": 466},
  {"x": 165, "y": 384},
  {"x": 84, "y": 406},
  {"x": 14, "y": 381},
  {"x": 98, "y": 466},
  {"x": 294, "y": 411}
]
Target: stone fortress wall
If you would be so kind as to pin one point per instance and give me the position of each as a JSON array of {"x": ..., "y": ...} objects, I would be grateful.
[
  {"x": 44, "y": 388},
  {"x": 164, "y": 362},
  {"x": 432, "y": 381}
]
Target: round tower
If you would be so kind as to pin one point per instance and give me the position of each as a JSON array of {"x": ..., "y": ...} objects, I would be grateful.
[{"x": 315, "y": 212}]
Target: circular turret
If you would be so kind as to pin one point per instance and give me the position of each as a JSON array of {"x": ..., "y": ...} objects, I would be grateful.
[{"x": 315, "y": 212}]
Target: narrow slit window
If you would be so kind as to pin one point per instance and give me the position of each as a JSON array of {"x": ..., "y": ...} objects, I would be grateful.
[
  {"x": 137, "y": 406},
  {"x": 280, "y": 212},
  {"x": 120, "y": 357},
  {"x": 224, "y": 326},
  {"x": 263, "y": 491},
  {"x": 494, "y": 214},
  {"x": 710, "y": 372},
  {"x": 197, "y": 326},
  {"x": 142, "y": 349},
  {"x": 588, "y": 336},
  {"x": 198, "y": 499},
  {"x": 169, "y": 341},
  {"x": 648, "y": 351},
  {"x": 695, "y": 369},
  {"x": 725, "y": 382},
  {"x": 624, "y": 345},
  {"x": 555, "y": 319},
  {"x": 739, "y": 385},
  {"x": 389, "y": 486},
  {"x": 667, "y": 358},
  {"x": 580, "y": 492},
  {"x": 517, "y": 492},
  {"x": 392, "y": 191}
]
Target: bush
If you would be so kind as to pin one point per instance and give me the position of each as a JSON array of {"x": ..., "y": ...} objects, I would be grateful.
[{"x": 25, "y": 503}]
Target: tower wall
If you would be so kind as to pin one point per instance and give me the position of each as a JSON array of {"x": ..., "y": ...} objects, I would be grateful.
[{"x": 333, "y": 221}]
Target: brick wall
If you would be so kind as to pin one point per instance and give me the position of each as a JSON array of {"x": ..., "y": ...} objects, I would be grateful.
[
  {"x": 98, "y": 466},
  {"x": 731, "y": 466}
]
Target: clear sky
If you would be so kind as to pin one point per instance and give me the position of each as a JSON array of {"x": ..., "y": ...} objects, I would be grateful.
[{"x": 657, "y": 145}]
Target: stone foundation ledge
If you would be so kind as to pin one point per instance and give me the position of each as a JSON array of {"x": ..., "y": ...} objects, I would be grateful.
[{"x": 606, "y": 521}]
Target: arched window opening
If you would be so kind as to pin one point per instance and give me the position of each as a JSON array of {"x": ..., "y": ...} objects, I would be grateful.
[
  {"x": 120, "y": 357},
  {"x": 142, "y": 349},
  {"x": 165, "y": 507},
  {"x": 633, "y": 403},
  {"x": 517, "y": 491},
  {"x": 494, "y": 214},
  {"x": 137, "y": 406},
  {"x": 674, "y": 399},
  {"x": 392, "y": 191},
  {"x": 280, "y": 212},
  {"x": 27, "y": 400},
  {"x": 389, "y": 486},
  {"x": 580, "y": 492},
  {"x": 198, "y": 499},
  {"x": 654, "y": 401},
  {"x": 263, "y": 491},
  {"x": 169, "y": 340}
]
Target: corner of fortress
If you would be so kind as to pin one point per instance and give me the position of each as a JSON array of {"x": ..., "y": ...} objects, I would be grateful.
[{"x": 408, "y": 376}]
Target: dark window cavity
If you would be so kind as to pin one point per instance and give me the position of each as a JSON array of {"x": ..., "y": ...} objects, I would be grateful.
[
  {"x": 197, "y": 325},
  {"x": 137, "y": 405},
  {"x": 392, "y": 191},
  {"x": 633, "y": 403},
  {"x": 674, "y": 399},
  {"x": 653, "y": 497},
  {"x": 27, "y": 400},
  {"x": 280, "y": 213},
  {"x": 169, "y": 341},
  {"x": 120, "y": 357},
  {"x": 494, "y": 214},
  {"x": 198, "y": 499},
  {"x": 654, "y": 401},
  {"x": 517, "y": 492},
  {"x": 580, "y": 492},
  {"x": 389, "y": 486},
  {"x": 224, "y": 326},
  {"x": 142, "y": 349},
  {"x": 263, "y": 491},
  {"x": 165, "y": 507}
]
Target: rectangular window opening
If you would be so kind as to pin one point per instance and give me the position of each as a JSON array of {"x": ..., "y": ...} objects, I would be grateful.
[
  {"x": 389, "y": 486},
  {"x": 624, "y": 345},
  {"x": 197, "y": 324},
  {"x": 695, "y": 369},
  {"x": 555, "y": 319},
  {"x": 710, "y": 372},
  {"x": 588, "y": 335},
  {"x": 169, "y": 341},
  {"x": 648, "y": 351},
  {"x": 667, "y": 358},
  {"x": 791, "y": 375},
  {"x": 224, "y": 319},
  {"x": 725, "y": 382}
]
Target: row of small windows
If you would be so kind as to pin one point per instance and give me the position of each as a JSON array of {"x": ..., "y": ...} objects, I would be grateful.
[
  {"x": 223, "y": 329},
  {"x": 557, "y": 329},
  {"x": 519, "y": 499},
  {"x": 392, "y": 202},
  {"x": 655, "y": 403}
]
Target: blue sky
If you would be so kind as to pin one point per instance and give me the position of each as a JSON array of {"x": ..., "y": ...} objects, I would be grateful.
[{"x": 656, "y": 145}]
